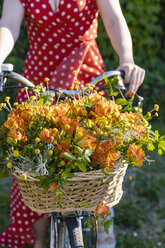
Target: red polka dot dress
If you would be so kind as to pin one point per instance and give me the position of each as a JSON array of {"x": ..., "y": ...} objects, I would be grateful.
[{"x": 58, "y": 44}]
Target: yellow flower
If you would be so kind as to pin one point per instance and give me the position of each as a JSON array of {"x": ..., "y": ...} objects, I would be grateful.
[
  {"x": 130, "y": 178},
  {"x": 74, "y": 72},
  {"x": 90, "y": 88},
  {"x": 140, "y": 110},
  {"x": 66, "y": 127},
  {"x": 24, "y": 176},
  {"x": 156, "y": 107},
  {"x": 149, "y": 114},
  {"x": 7, "y": 98},
  {"x": 62, "y": 162},
  {"x": 15, "y": 104},
  {"x": 16, "y": 153},
  {"x": 37, "y": 140},
  {"x": 71, "y": 88},
  {"x": 77, "y": 82},
  {"x": 120, "y": 134},
  {"x": 7, "y": 158},
  {"x": 61, "y": 91},
  {"x": 37, "y": 151},
  {"x": 78, "y": 135},
  {"x": 46, "y": 79},
  {"x": 52, "y": 95},
  {"x": 25, "y": 88},
  {"x": 156, "y": 114},
  {"x": 100, "y": 93},
  {"x": 9, "y": 165},
  {"x": 50, "y": 152},
  {"x": 32, "y": 98}
]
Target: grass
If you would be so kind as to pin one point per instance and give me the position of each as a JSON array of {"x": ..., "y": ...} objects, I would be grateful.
[{"x": 140, "y": 215}]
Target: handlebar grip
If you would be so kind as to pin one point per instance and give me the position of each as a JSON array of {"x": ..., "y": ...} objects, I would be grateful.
[{"x": 122, "y": 74}]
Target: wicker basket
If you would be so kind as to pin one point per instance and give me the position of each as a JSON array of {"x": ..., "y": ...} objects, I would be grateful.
[{"x": 85, "y": 188}]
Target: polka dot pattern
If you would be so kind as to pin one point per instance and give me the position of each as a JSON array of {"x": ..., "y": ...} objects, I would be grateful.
[
  {"x": 20, "y": 231},
  {"x": 58, "y": 44}
]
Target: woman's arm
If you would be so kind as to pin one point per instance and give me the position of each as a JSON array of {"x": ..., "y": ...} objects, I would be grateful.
[
  {"x": 10, "y": 22},
  {"x": 119, "y": 35}
]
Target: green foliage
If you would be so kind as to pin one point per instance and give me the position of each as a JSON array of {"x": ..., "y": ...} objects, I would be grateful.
[{"x": 146, "y": 22}]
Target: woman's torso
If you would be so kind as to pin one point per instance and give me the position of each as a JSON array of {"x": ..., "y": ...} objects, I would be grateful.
[{"x": 62, "y": 42}]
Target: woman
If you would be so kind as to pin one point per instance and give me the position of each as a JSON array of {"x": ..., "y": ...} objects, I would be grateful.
[{"x": 61, "y": 37}]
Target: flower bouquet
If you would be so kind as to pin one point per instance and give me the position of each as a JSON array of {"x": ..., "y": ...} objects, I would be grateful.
[{"x": 73, "y": 154}]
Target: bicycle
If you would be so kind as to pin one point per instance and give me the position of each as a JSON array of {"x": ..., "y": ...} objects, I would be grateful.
[{"x": 59, "y": 233}]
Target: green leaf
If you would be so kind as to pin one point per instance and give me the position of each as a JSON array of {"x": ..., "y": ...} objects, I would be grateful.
[
  {"x": 156, "y": 135},
  {"x": 81, "y": 166},
  {"x": 60, "y": 204},
  {"x": 1, "y": 152},
  {"x": 69, "y": 156},
  {"x": 87, "y": 159},
  {"x": 85, "y": 205},
  {"x": 150, "y": 147},
  {"x": 59, "y": 194},
  {"x": 107, "y": 225},
  {"x": 4, "y": 173},
  {"x": 121, "y": 101},
  {"x": 89, "y": 152},
  {"x": 79, "y": 150},
  {"x": 162, "y": 145},
  {"x": 102, "y": 180},
  {"x": 89, "y": 223}
]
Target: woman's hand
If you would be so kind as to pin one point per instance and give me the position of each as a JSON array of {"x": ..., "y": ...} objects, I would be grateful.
[{"x": 134, "y": 76}]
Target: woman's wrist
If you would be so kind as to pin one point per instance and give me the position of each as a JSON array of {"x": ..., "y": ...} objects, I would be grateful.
[{"x": 126, "y": 60}]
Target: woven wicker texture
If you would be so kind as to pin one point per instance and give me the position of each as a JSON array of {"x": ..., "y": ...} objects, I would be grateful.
[{"x": 85, "y": 188}]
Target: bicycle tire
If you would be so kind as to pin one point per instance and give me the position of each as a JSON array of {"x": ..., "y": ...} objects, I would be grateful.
[{"x": 75, "y": 231}]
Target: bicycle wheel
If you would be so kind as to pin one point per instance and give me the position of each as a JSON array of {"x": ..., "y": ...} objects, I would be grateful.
[{"x": 73, "y": 223}]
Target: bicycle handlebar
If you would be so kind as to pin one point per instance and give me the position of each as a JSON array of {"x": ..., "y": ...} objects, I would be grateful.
[{"x": 7, "y": 72}]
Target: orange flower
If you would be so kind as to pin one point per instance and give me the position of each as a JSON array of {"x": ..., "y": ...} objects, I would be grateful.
[
  {"x": 102, "y": 209},
  {"x": 53, "y": 186},
  {"x": 140, "y": 129},
  {"x": 10, "y": 123},
  {"x": 135, "y": 154},
  {"x": 112, "y": 156},
  {"x": 47, "y": 135},
  {"x": 14, "y": 136},
  {"x": 87, "y": 142},
  {"x": 103, "y": 156},
  {"x": 101, "y": 148},
  {"x": 26, "y": 114}
]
